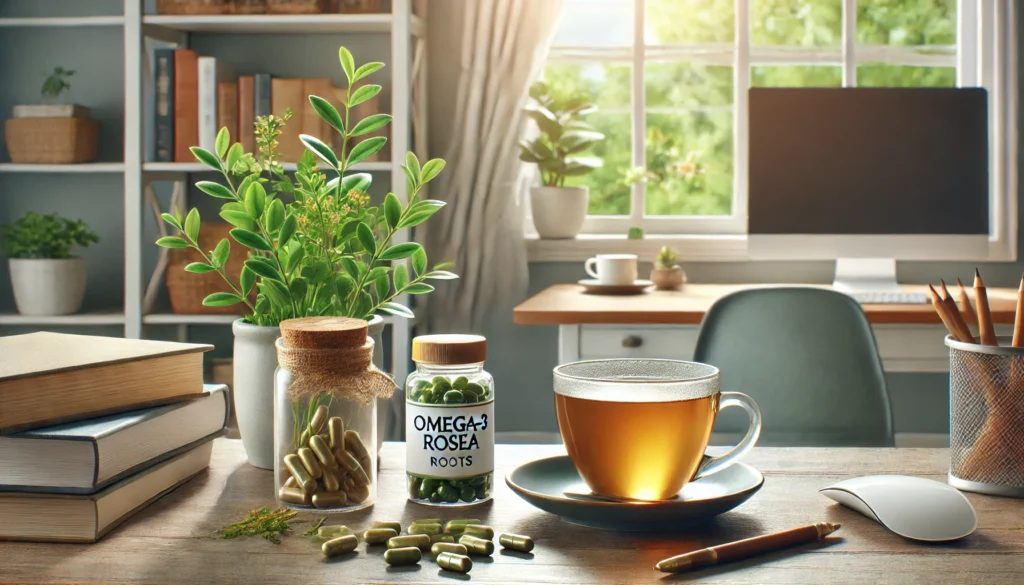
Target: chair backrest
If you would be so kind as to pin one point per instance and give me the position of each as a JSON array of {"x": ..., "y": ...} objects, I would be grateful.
[{"x": 808, "y": 358}]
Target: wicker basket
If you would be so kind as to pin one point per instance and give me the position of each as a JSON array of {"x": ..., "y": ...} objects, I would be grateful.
[
  {"x": 51, "y": 140},
  {"x": 187, "y": 290},
  {"x": 296, "y": 6},
  {"x": 193, "y": 6}
]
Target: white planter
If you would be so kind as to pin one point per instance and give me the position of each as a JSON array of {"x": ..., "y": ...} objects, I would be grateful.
[
  {"x": 255, "y": 362},
  {"x": 48, "y": 286},
  {"x": 558, "y": 212}
]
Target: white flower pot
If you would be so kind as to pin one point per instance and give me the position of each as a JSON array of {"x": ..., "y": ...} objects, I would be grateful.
[
  {"x": 255, "y": 362},
  {"x": 48, "y": 286},
  {"x": 558, "y": 212}
]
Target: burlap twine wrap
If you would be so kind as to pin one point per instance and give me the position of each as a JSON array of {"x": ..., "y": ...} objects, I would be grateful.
[{"x": 347, "y": 372}]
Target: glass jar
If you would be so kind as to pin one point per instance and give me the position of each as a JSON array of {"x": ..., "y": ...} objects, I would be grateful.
[
  {"x": 325, "y": 414},
  {"x": 449, "y": 422}
]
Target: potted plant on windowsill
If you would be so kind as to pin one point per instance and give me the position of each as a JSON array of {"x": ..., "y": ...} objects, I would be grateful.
[
  {"x": 46, "y": 278},
  {"x": 559, "y": 210},
  {"x": 52, "y": 132},
  {"x": 328, "y": 253}
]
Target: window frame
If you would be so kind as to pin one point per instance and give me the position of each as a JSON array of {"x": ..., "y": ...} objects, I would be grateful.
[{"x": 985, "y": 55}]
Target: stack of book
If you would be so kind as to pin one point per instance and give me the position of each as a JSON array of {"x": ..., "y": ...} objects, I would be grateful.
[
  {"x": 196, "y": 96},
  {"x": 93, "y": 429}
]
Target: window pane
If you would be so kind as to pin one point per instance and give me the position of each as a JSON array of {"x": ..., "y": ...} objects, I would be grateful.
[
  {"x": 687, "y": 85},
  {"x": 796, "y": 76},
  {"x": 883, "y": 75},
  {"x": 681, "y": 183},
  {"x": 693, "y": 21},
  {"x": 803, "y": 23},
  {"x": 906, "y": 22},
  {"x": 609, "y": 193},
  {"x": 595, "y": 23},
  {"x": 608, "y": 86}
]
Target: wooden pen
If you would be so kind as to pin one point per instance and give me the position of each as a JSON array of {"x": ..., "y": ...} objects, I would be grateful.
[
  {"x": 966, "y": 310},
  {"x": 954, "y": 313},
  {"x": 1018, "y": 319},
  {"x": 943, "y": 310},
  {"x": 744, "y": 549},
  {"x": 985, "y": 327}
]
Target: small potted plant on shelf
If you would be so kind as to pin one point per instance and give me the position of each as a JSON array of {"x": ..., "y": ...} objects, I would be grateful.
[
  {"x": 52, "y": 132},
  {"x": 327, "y": 253},
  {"x": 667, "y": 274},
  {"x": 559, "y": 210},
  {"x": 46, "y": 278}
]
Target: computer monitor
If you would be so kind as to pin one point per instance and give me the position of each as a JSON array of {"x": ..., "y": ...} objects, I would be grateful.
[{"x": 867, "y": 176}]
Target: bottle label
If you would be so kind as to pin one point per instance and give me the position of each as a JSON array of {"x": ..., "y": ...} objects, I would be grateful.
[{"x": 449, "y": 442}]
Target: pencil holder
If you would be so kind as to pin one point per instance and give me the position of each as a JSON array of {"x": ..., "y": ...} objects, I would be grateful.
[{"x": 986, "y": 418}]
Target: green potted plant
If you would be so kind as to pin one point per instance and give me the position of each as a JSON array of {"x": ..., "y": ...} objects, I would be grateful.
[
  {"x": 46, "y": 278},
  {"x": 52, "y": 132},
  {"x": 558, "y": 209},
  {"x": 327, "y": 252},
  {"x": 667, "y": 274}
]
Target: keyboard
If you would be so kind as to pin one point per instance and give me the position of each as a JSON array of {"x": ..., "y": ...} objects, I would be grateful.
[{"x": 889, "y": 298}]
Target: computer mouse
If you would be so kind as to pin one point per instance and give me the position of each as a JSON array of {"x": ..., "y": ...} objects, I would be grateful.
[{"x": 912, "y": 507}]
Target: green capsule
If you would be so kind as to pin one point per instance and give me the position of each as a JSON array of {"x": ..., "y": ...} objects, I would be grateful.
[
  {"x": 481, "y": 492},
  {"x": 476, "y": 389},
  {"x": 304, "y": 437},
  {"x": 460, "y": 382},
  {"x": 339, "y": 546},
  {"x": 331, "y": 482},
  {"x": 334, "y": 531},
  {"x": 336, "y": 432},
  {"x": 316, "y": 424},
  {"x": 480, "y": 531},
  {"x": 448, "y": 547},
  {"x": 435, "y": 538},
  {"x": 435, "y": 498},
  {"x": 396, "y": 526},
  {"x": 402, "y": 556},
  {"x": 354, "y": 445},
  {"x": 467, "y": 493},
  {"x": 453, "y": 397},
  {"x": 416, "y": 540},
  {"x": 379, "y": 535},
  {"x": 310, "y": 463},
  {"x": 432, "y": 484},
  {"x": 426, "y": 520},
  {"x": 305, "y": 480},
  {"x": 426, "y": 398},
  {"x": 452, "y": 496},
  {"x": 323, "y": 452},
  {"x": 468, "y": 398},
  {"x": 294, "y": 495},
  {"x": 444, "y": 489},
  {"x": 428, "y": 529},
  {"x": 441, "y": 381},
  {"x": 454, "y": 562},
  {"x": 424, "y": 490},
  {"x": 414, "y": 487},
  {"x": 458, "y": 526},
  {"x": 329, "y": 499},
  {"x": 477, "y": 546},
  {"x": 478, "y": 480},
  {"x": 516, "y": 542}
]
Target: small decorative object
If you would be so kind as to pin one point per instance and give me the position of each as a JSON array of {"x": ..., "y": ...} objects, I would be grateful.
[
  {"x": 666, "y": 274},
  {"x": 51, "y": 132},
  {"x": 635, "y": 233},
  {"x": 46, "y": 278},
  {"x": 328, "y": 253},
  {"x": 558, "y": 210},
  {"x": 449, "y": 422},
  {"x": 263, "y": 522},
  {"x": 326, "y": 414}
]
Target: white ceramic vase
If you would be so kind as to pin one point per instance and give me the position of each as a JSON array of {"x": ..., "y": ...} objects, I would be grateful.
[
  {"x": 48, "y": 286},
  {"x": 253, "y": 389},
  {"x": 558, "y": 212}
]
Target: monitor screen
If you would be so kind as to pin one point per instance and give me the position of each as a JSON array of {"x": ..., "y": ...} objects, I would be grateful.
[{"x": 866, "y": 161}]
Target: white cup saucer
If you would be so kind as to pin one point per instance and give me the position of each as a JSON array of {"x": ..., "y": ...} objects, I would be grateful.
[{"x": 594, "y": 287}]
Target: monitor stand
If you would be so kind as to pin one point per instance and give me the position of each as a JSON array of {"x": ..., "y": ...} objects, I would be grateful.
[{"x": 865, "y": 275}]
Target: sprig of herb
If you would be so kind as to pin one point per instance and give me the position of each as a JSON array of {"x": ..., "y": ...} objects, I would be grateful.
[
  {"x": 313, "y": 531},
  {"x": 269, "y": 524}
]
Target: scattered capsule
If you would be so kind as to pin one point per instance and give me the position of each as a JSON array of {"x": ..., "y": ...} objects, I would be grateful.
[
  {"x": 428, "y": 529},
  {"x": 294, "y": 465},
  {"x": 458, "y": 526},
  {"x": 448, "y": 547},
  {"x": 441, "y": 538},
  {"x": 396, "y": 526},
  {"x": 340, "y": 545},
  {"x": 319, "y": 418},
  {"x": 479, "y": 531},
  {"x": 336, "y": 432},
  {"x": 310, "y": 463},
  {"x": 379, "y": 535},
  {"x": 294, "y": 495},
  {"x": 416, "y": 540},
  {"x": 477, "y": 546},
  {"x": 516, "y": 542},
  {"x": 329, "y": 499},
  {"x": 454, "y": 562},
  {"x": 426, "y": 521},
  {"x": 334, "y": 531},
  {"x": 409, "y": 555}
]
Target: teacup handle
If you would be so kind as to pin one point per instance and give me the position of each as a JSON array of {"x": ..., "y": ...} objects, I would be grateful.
[
  {"x": 715, "y": 464},
  {"x": 589, "y": 266}
]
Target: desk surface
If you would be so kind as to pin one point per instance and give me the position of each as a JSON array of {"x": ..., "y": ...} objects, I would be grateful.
[
  {"x": 174, "y": 540},
  {"x": 567, "y": 304}
]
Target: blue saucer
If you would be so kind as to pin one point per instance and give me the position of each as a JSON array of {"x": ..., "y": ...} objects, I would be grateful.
[{"x": 544, "y": 482}]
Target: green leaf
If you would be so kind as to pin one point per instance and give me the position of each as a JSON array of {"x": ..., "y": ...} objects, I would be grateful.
[
  {"x": 575, "y": 141},
  {"x": 234, "y": 155},
  {"x": 399, "y": 251},
  {"x": 362, "y": 94},
  {"x": 365, "y": 149},
  {"x": 364, "y": 303},
  {"x": 171, "y": 220},
  {"x": 298, "y": 288},
  {"x": 206, "y": 157},
  {"x": 382, "y": 286},
  {"x": 222, "y": 143},
  {"x": 370, "y": 124},
  {"x": 275, "y": 215},
  {"x": 419, "y": 261},
  {"x": 441, "y": 275},
  {"x": 294, "y": 259},
  {"x": 580, "y": 166},
  {"x": 366, "y": 239},
  {"x": 239, "y": 219},
  {"x": 358, "y": 181},
  {"x": 420, "y": 212},
  {"x": 215, "y": 190},
  {"x": 279, "y": 295},
  {"x": 348, "y": 64},
  {"x": 171, "y": 242},
  {"x": 221, "y": 252},
  {"x": 397, "y": 310},
  {"x": 263, "y": 267},
  {"x": 192, "y": 225},
  {"x": 419, "y": 288},
  {"x": 366, "y": 69},
  {"x": 345, "y": 285},
  {"x": 255, "y": 200},
  {"x": 250, "y": 239},
  {"x": 320, "y": 149},
  {"x": 411, "y": 181},
  {"x": 327, "y": 112},
  {"x": 199, "y": 268},
  {"x": 350, "y": 267},
  {"x": 392, "y": 210},
  {"x": 401, "y": 276},
  {"x": 221, "y": 299},
  {"x": 246, "y": 280},
  {"x": 546, "y": 121},
  {"x": 287, "y": 230},
  {"x": 432, "y": 168},
  {"x": 413, "y": 164}
]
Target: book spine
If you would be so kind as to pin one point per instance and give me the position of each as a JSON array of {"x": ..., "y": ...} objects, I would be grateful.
[
  {"x": 207, "y": 102},
  {"x": 186, "y": 104},
  {"x": 227, "y": 106},
  {"x": 263, "y": 95},
  {"x": 246, "y": 112},
  {"x": 164, "y": 105},
  {"x": 287, "y": 95}
]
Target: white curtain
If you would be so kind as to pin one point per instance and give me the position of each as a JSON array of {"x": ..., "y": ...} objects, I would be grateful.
[{"x": 501, "y": 51}]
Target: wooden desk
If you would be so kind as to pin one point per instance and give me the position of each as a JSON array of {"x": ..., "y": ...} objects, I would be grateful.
[{"x": 174, "y": 540}]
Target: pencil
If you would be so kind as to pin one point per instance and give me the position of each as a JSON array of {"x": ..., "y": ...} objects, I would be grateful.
[
  {"x": 744, "y": 549},
  {"x": 943, "y": 311},
  {"x": 954, "y": 314},
  {"x": 985, "y": 327},
  {"x": 966, "y": 310},
  {"x": 1018, "y": 319}
]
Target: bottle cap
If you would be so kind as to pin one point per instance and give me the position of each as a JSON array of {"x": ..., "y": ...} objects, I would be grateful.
[
  {"x": 449, "y": 350},
  {"x": 324, "y": 332}
]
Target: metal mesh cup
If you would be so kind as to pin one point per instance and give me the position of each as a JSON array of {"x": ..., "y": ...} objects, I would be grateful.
[{"x": 986, "y": 418}]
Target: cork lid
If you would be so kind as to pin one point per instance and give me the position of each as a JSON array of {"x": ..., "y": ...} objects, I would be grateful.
[
  {"x": 449, "y": 350},
  {"x": 324, "y": 332}
]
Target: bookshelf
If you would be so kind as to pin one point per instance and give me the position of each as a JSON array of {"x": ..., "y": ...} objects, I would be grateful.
[{"x": 406, "y": 35}]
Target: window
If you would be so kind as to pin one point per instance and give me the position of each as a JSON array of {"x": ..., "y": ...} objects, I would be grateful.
[{"x": 670, "y": 78}]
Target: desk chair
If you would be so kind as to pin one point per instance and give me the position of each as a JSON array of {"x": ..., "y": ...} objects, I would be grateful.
[{"x": 809, "y": 359}]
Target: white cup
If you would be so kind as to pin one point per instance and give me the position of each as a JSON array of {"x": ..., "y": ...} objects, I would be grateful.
[{"x": 614, "y": 269}]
